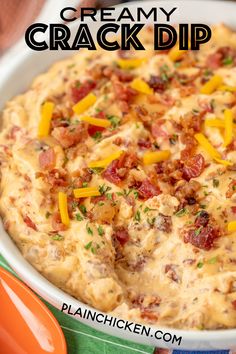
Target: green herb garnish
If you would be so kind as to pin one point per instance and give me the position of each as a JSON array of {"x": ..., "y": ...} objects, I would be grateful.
[
  {"x": 97, "y": 136},
  {"x": 57, "y": 237},
  {"x": 100, "y": 230},
  {"x": 228, "y": 61},
  {"x": 78, "y": 217},
  {"x": 215, "y": 183},
  {"x": 89, "y": 230},
  {"x": 198, "y": 231},
  {"x": 47, "y": 214},
  {"x": 213, "y": 260},
  {"x": 83, "y": 209},
  {"x": 137, "y": 216},
  {"x": 181, "y": 212},
  {"x": 200, "y": 264},
  {"x": 115, "y": 121},
  {"x": 87, "y": 247}
]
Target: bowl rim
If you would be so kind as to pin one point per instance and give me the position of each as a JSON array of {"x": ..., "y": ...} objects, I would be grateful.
[{"x": 54, "y": 295}]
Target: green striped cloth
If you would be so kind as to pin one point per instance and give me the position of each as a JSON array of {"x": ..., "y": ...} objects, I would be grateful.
[{"x": 82, "y": 339}]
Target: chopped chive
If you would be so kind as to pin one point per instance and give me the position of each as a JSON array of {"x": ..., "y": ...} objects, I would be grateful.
[
  {"x": 78, "y": 217},
  {"x": 200, "y": 264},
  {"x": 198, "y": 231},
  {"x": 47, "y": 214},
  {"x": 87, "y": 247},
  {"x": 57, "y": 237},
  {"x": 97, "y": 136},
  {"x": 89, "y": 230},
  {"x": 215, "y": 183},
  {"x": 100, "y": 230},
  {"x": 213, "y": 260},
  {"x": 83, "y": 209},
  {"x": 137, "y": 216},
  {"x": 181, "y": 212},
  {"x": 228, "y": 61}
]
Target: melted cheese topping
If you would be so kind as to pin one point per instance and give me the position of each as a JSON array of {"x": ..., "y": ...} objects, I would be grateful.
[{"x": 127, "y": 253}]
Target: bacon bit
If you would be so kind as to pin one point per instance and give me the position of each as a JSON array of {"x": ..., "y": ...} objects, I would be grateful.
[
  {"x": 144, "y": 144},
  {"x": 203, "y": 237},
  {"x": 100, "y": 198},
  {"x": 57, "y": 178},
  {"x": 57, "y": 224},
  {"x": 191, "y": 123},
  {"x": 124, "y": 94},
  {"x": 169, "y": 171},
  {"x": 157, "y": 131},
  {"x": 193, "y": 167},
  {"x": 30, "y": 223},
  {"x": 157, "y": 83},
  {"x": 47, "y": 159},
  {"x": 148, "y": 190},
  {"x": 128, "y": 160},
  {"x": 149, "y": 315},
  {"x": 233, "y": 208},
  {"x": 121, "y": 75},
  {"x": 80, "y": 91},
  {"x": 234, "y": 304},
  {"x": 232, "y": 146},
  {"x": 215, "y": 60},
  {"x": 112, "y": 173},
  {"x": 117, "y": 170},
  {"x": 202, "y": 219},
  {"x": 187, "y": 190},
  {"x": 58, "y": 120},
  {"x": 145, "y": 301},
  {"x": 81, "y": 177},
  {"x": 163, "y": 223},
  {"x": 231, "y": 189},
  {"x": 121, "y": 235},
  {"x": 171, "y": 273},
  {"x": 118, "y": 141},
  {"x": 69, "y": 136}
]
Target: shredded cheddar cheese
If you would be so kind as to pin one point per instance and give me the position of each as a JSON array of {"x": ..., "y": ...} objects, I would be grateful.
[
  {"x": 217, "y": 123},
  {"x": 86, "y": 192},
  {"x": 176, "y": 54},
  {"x": 155, "y": 156},
  {"x": 206, "y": 145},
  {"x": 227, "y": 88},
  {"x": 105, "y": 162},
  {"x": 231, "y": 226},
  {"x": 62, "y": 203},
  {"x": 228, "y": 137},
  {"x": 130, "y": 63},
  {"x": 223, "y": 162},
  {"x": 211, "y": 85},
  {"x": 141, "y": 86},
  {"x": 85, "y": 103},
  {"x": 105, "y": 123},
  {"x": 45, "y": 121}
]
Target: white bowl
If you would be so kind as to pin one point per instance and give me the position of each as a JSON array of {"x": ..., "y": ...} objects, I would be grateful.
[{"x": 17, "y": 78}]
